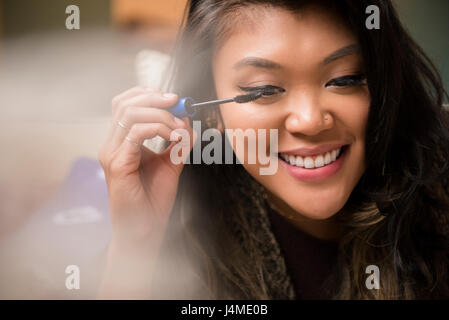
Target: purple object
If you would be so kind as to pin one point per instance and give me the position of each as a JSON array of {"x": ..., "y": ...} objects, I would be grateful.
[{"x": 73, "y": 228}]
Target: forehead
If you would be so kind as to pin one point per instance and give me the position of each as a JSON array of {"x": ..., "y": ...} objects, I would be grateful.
[{"x": 273, "y": 31}]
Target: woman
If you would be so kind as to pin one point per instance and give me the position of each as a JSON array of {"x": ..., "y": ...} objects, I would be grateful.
[{"x": 362, "y": 180}]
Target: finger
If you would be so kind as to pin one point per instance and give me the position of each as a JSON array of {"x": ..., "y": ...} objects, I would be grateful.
[
  {"x": 147, "y": 100},
  {"x": 134, "y": 115},
  {"x": 129, "y": 94},
  {"x": 187, "y": 139},
  {"x": 121, "y": 97},
  {"x": 132, "y": 143}
]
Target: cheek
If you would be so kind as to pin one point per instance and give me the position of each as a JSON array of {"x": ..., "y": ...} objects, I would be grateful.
[
  {"x": 352, "y": 111},
  {"x": 244, "y": 116},
  {"x": 249, "y": 119}
]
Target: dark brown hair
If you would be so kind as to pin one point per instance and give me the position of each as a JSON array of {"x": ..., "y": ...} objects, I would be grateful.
[{"x": 397, "y": 215}]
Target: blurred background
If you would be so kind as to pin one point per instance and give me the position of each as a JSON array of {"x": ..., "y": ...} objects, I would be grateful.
[{"x": 55, "y": 91}]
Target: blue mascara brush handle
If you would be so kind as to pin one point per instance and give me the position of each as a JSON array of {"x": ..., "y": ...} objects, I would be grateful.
[{"x": 183, "y": 108}]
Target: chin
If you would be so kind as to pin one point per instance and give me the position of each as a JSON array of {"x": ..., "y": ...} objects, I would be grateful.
[
  {"x": 320, "y": 213},
  {"x": 307, "y": 202},
  {"x": 315, "y": 209}
]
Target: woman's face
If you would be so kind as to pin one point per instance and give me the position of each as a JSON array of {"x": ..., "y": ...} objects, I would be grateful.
[{"x": 315, "y": 59}]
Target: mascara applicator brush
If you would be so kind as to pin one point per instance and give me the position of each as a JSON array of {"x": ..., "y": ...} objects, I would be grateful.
[
  {"x": 244, "y": 98},
  {"x": 186, "y": 107}
]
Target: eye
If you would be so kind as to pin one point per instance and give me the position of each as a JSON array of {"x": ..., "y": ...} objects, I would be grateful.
[
  {"x": 347, "y": 81},
  {"x": 267, "y": 90}
]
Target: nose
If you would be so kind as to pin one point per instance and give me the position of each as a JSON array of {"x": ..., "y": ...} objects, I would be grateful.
[{"x": 306, "y": 115}]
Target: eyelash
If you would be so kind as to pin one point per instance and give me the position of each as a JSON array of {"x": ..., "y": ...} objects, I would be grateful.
[
  {"x": 341, "y": 82},
  {"x": 267, "y": 90},
  {"x": 348, "y": 81}
]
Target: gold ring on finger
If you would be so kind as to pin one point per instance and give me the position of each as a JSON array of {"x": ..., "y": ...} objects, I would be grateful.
[
  {"x": 131, "y": 141},
  {"x": 120, "y": 124}
]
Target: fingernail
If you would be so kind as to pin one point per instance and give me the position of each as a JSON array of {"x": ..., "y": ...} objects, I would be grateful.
[
  {"x": 169, "y": 95},
  {"x": 175, "y": 136},
  {"x": 179, "y": 122}
]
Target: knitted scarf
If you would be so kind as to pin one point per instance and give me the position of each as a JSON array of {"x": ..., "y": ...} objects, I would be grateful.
[{"x": 255, "y": 232}]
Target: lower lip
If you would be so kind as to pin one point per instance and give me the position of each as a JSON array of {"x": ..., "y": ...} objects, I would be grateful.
[{"x": 317, "y": 173}]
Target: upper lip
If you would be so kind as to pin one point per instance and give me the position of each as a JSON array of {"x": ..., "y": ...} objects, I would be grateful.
[{"x": 313, "y": 151}]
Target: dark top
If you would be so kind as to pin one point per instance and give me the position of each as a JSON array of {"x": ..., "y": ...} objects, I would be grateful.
[{"x": 309, "y": 260}]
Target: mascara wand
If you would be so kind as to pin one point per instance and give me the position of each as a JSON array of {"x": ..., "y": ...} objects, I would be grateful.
[{"x": 186, "y": 107}]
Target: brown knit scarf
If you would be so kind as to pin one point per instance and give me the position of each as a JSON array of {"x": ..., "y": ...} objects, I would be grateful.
[{"x": 255, "y": 232}]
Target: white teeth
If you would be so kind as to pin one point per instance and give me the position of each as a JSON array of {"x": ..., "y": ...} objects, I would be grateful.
[
  {"x": 299, "y": 161},
  {"x": 333, "y": 155},
  {"x": 309, "y": 163},
  {"x": 319, "y": 161},
  {"x": 327, "y": 158},
  {"x": 292, "y": 160}
]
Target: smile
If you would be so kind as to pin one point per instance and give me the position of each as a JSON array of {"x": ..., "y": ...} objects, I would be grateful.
[
  {"x": 311, "y": 162},
  {"x": 318, "y": 167}
]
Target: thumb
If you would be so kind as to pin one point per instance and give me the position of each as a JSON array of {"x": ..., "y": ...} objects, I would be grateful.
[{"x": 179, "y": 151}]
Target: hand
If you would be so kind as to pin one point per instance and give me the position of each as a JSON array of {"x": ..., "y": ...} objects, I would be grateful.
[{"x": 142, "y": 185}]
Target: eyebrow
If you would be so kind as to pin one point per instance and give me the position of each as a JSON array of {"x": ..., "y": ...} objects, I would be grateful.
[
  {"x": 343, "y": 52},
  {"x": 268, "y": 64},
  {"x": 257, "y": 62}
]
